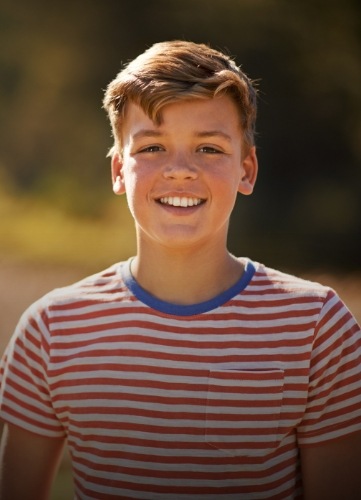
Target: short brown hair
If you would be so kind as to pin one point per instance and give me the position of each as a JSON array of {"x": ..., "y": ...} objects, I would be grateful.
[{"x": 172, "y": 71}]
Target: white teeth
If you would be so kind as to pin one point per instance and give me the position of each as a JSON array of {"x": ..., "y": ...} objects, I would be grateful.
[{"x": 177, "y": 201}]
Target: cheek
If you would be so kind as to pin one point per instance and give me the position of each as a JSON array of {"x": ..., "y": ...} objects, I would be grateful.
[
  {"x": 226, "y": 193},
  {"x": 131, "y": 193},
  {"x": 136, "y": 190},
  {"x": 131, "y": 176},
  {"x": 226, "y": 180}
]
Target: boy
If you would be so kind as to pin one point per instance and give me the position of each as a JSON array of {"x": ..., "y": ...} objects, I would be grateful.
[{"x": 184, "y": 373}]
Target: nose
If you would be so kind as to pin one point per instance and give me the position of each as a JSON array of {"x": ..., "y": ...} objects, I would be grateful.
[{"x": 181, "y": 168}]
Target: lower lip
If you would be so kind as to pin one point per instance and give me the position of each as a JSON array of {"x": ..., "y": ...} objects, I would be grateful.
[{"x": 181, "y": 210}]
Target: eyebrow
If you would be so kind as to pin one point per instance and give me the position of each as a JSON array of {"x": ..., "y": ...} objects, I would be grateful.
[
  {"x": 214, "y": 133},
  {"x": 204, "y": 134},
  {"x": 147, "y": 133}
]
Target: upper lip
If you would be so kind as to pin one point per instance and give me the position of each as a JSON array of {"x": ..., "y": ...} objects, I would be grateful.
[{"x": 179, "y": 194}]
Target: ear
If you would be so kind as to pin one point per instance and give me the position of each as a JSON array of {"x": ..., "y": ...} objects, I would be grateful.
[
  {"x": 117, "y": 174},
  {"x": 249, "y": 172}
]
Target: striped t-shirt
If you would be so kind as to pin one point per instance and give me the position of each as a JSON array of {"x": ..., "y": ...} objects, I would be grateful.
[{"x": 170, "y": 402}]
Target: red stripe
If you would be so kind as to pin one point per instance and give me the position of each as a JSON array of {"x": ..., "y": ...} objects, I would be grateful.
[
  {"x": 26, "y": 419},
  {"x": 184, "y": 489}
]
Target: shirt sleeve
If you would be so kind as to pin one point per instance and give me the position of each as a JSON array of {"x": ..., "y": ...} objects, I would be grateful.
[
  {"x": 24, "y": 393},
  {"x": 333, "y": 408}
]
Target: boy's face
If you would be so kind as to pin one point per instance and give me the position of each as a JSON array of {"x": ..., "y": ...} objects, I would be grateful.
[{"x": 181, "y": 178}]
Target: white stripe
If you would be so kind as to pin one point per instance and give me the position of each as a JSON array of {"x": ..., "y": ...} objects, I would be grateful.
[
  {"x": 173, "y": 482},
  {"x": 171, "y": 393},
  {"x": 199, "y": 454}
]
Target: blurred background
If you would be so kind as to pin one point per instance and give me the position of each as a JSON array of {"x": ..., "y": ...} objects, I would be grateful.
[
  {"x": 56, "y": 58},
  {"x": 58, "y": 217}
]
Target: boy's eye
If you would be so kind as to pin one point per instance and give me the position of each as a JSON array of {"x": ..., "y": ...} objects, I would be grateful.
[
  {"x": 209, "y": 150},
  {"x": 151, "y": 149}
]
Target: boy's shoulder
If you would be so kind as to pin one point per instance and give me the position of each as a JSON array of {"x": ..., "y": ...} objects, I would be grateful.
[
  {"x": 89, "y": 289},
  {"x": 267, "y": 278}
]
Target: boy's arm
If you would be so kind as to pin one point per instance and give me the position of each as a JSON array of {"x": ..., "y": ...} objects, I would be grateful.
[
  {"x": 28, "y": 464},
  {"x": 332, "y": 471}
]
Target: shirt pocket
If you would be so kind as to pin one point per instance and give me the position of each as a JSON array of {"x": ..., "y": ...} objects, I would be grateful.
[{"x": 243, "y": 411}]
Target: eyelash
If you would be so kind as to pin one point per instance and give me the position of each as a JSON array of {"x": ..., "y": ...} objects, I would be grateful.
[
  {"x": 210, "y": 150},
  {"x": 151, "y": 149},
  {"x": 204, "y": 149}
]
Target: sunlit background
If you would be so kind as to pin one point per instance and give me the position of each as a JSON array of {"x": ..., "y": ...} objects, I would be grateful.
[
  {"x": 58, "y": 217},
  {"x": 57, "y": 57}
]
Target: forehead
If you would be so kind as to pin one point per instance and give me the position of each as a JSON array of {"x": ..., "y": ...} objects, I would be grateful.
[{"x": 191, "y": 115}]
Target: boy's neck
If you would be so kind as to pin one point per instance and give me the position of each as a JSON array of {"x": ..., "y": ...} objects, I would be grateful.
[{"x": 186, "y": 278}]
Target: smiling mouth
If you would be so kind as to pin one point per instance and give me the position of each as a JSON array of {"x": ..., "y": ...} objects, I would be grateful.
[{"x": 180, "y": 201}]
